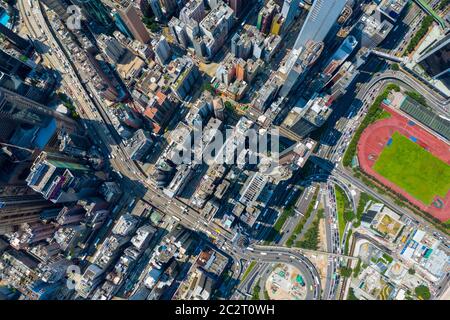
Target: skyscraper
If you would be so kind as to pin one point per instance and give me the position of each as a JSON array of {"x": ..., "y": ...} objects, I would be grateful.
[
  {"x": 162, "y": 50},
  {"x": 12, "y": 66},
  {"x": 15, "y": 107},
  {"x": 169, "y": 7},
  {"x": 95, "y": 10},
  {"x": 59, "y": 7},
  {"x": 238, "y": 6},
  {"x": 19, "y": 42},
  {"x": 133, "y": 22},
  {"x": 156, "y": 8},
  {"x": 321, "y": 18},
  {"x": 341, "y": 54},
  {"x": 61, "y": 179},
  {"x": 289, "y": 11},
  {"x": 20, "y": 208},
  {"x": 312, "y": 116},
  {"x": 435, "y": 60}
]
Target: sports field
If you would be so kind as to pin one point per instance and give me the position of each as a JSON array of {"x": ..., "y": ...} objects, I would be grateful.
[{"x": 413, "y": 169}]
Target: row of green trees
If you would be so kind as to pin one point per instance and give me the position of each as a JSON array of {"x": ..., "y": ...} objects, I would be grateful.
[
  {"x": 426, "y": 24},
  {"x": 364, "y": 198},
  {"x": 275, "y": 231},
  {"x": 311, "y": 238},
  {"x": 372, "y": 115},
  {"x": 299, "y": 227},
  {"x": 417, "y": 96}
]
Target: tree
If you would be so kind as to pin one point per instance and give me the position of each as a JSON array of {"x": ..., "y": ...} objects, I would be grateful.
[
  {"x": 416, "y": 96},
  {"x": 357, "y": 269},
  {"x": 346, "y": 272},
  {"x": 207, "y": 86},
  {"x": 151, "y": 24},
  {"x": 395, "y": 67},
  {"x": 349, "y": 215},
  {"x": 256, "y": 290},
  {"x": 423, "y": 292},
  {"x": 351, "y": 295},
  {"x": 411, "y": 271},
  {"x": 228, "y": 105}
]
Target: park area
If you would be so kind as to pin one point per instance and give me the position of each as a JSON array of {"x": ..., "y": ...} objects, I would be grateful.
[{"x": 414, "y": 169}]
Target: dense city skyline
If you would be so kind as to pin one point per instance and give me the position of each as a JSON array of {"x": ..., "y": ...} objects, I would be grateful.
[{"x": 224, "y": 150}]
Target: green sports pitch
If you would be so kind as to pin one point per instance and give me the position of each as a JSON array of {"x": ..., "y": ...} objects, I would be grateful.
[{"x": 413, "y": 169}]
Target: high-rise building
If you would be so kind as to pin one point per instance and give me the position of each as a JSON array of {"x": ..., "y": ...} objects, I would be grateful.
[
  {"x": 277, "y": 24},
  {"x": 391, "y": 9},
  {"x": 341, "y": 54},
  {"x": 321, "y": 18},
  {"x": 266, "y": 15},
  {"x": 133, "y": 22},
  {"x": 371, "y": 30},
  {"x": 156, "y": 8},
  {"x": 162, "y": 50},
  {"x": 111, "y": 47},
  {"x": 139, "y": 145},
  {"x": 61, "y": 179},
  {"x": 121, "y": 25},
  {"x": 435, "y": 60},
  {"x": 59, "y": 7},
  {"x": 289, "y": 11},
  {"x": 37, "y": 88},
  {"x": 20, "y": 208},
  {"x": 312, "y": 116},
  {"x": 238, "y": 6},
  {"x": 178, "y": 31},
  {"x": 216, "y": 26},
  {"x": 185, "y": 77},
  {"x": 95, "y": 10},
  {"x": 20, "y": 109},
  {"x": 13, "y": 66},
  {"x": 193, "y": 10},
  {"x": 20, "y": 43}
]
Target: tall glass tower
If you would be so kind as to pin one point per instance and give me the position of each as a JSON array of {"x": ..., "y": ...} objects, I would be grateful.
[
  {"x": 321, "y": 18},
  {"x": 96, "y": 10}
]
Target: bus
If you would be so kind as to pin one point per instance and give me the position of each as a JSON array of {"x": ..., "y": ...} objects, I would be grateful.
[
  {"x": 300, "y": 280},
  {"x": 132, "y": 202},
  {"x": 115, "y": 209}
]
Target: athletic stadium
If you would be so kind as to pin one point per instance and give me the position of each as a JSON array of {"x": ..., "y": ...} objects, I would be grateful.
[{"x": 404, "y": 156}]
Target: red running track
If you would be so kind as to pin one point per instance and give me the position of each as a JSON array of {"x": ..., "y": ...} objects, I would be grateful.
[{"x": 375, "y": 137}]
